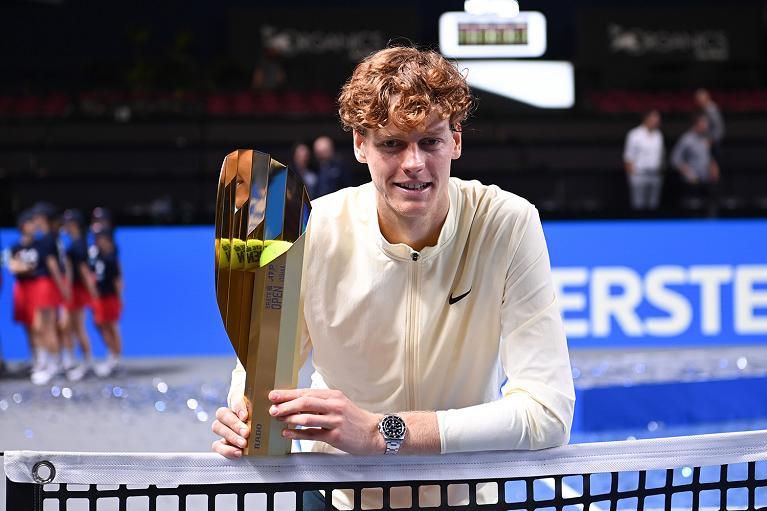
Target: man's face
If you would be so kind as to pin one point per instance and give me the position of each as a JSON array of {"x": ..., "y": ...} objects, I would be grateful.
[
  {"x": 410, "y": 169},
  {"x": 323, "y": 149},
  {"x": 652, "y": 121},
  {"x": 302, "y": 155},
  {"x": 701, "y": 125}
]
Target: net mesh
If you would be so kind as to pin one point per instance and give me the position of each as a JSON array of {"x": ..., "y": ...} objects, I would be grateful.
[{"x": 739, "y": 482}]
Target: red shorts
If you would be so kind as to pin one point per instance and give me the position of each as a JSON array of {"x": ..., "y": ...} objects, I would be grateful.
[
  {"x": 22, "y": 311},
  {"x": 43, "y": 294},
  {"x": 80, "y": 297},
  {"x": 106, "y": 309}
]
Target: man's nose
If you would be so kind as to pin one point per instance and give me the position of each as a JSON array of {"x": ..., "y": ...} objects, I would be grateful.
[{"x": 414, "y": 161}]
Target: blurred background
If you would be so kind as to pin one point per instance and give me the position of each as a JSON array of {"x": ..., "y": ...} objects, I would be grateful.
[{"x": 132, "y": 107}]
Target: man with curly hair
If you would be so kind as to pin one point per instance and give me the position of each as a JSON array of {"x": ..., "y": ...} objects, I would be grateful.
[{"x": 427, "y": 300}]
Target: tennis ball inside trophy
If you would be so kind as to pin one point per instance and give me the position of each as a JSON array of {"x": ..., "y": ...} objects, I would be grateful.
[
  {"x": 253, "y": 250},
  {"x": 224, "y": 250},
  {"x": 238, "y": 254},
  {"x": 272, "y": 250}
]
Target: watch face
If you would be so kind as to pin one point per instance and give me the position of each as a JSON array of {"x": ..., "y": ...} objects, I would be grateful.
[{"x": 393, "y": 427}]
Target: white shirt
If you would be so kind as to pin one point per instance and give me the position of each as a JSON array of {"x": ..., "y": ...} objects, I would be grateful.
[
  {"x": 644, "y": 150},
  {"x": 383, "y": 330}
]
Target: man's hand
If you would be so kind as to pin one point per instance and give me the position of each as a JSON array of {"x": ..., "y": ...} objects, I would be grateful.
[
  {"x": 231, "y": 427},
  {"x": 328, "y": 416},
  {"x": 689, "y": 175}
]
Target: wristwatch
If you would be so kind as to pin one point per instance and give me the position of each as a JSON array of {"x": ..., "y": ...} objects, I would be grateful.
[{"x": 393, "y": 429}]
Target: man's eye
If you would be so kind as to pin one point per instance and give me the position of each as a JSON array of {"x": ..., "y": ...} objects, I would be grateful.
[
  {"x": 430, "y": 142},
  {"x": 390, "y": 143}
]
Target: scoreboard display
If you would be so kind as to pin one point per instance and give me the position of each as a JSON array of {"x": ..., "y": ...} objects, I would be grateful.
[
  {"x": 492, "y": 33},
  {"x": 465, "y": 35}
]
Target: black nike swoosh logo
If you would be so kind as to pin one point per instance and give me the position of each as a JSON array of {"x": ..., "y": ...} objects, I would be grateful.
[{"x": 457, "y": 299}]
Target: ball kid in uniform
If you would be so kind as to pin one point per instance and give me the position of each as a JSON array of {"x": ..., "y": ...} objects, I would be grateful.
[
  {"x": 22, "y": 264},
  {"x": 84, "y": 291},
  {"x": 108, "y": 306}
]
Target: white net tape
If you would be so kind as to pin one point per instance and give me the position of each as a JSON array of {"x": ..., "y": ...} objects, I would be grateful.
[{"x": 186, "y": 469}]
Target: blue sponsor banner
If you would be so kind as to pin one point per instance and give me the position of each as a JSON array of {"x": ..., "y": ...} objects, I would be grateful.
[
  {"x": 661, "y": 283},
  {"x": 620, "y": 284}
]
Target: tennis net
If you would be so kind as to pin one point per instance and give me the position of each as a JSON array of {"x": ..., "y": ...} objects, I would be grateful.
[{"x": 722, "y": 471}]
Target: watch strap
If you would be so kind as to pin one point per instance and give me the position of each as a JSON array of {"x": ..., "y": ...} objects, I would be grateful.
[{"x": 393, "y": 445}]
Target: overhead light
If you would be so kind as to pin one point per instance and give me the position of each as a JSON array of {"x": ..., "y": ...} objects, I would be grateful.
[
  {"x": 503, "y": 8},
  {"x": 540, "y": 83}
]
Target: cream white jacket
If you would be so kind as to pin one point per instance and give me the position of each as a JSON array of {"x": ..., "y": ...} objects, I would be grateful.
[{"x": 383, "y": 330}]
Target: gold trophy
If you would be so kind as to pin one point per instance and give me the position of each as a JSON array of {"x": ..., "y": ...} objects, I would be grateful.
[{"x": 262, "y": 210}]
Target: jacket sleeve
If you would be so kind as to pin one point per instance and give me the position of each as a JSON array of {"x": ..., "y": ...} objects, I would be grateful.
[
  {"x": 536, "y": 409},
  {"x": 716, "y": 122},
  {"x": 630, "y": 148}
]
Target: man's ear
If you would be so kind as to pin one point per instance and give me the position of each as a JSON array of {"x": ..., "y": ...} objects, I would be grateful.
[
  {"x": 457, "y": 138},
  {"x": 359, "y": 149}
]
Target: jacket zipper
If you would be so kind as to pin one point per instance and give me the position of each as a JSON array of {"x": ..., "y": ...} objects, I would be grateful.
[{"x": 411, "y": 362}]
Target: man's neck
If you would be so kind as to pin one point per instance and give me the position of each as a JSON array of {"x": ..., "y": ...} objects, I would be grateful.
[{"x": 413, "y": 232}]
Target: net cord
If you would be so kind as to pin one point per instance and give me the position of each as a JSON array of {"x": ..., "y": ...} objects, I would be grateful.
[{"x": 210, "y": 468}]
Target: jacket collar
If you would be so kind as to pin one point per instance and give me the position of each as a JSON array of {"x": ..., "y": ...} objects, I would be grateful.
[{"x": 401, "y": 251}]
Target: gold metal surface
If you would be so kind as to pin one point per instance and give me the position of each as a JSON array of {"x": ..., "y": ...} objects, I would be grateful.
[{"x": 260, "y": 201}]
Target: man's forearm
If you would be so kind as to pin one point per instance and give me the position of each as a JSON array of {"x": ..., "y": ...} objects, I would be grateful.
[{"x": 422, "y": 433}]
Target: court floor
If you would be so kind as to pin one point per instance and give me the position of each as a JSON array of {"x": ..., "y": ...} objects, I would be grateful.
[{"x": 167, "y": 405}]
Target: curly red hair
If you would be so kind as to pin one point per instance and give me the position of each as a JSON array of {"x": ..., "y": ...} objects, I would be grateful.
[{"x": 403, "y": 85}]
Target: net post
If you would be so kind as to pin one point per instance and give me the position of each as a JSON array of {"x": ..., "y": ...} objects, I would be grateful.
[{"x": 22, "y": 495}]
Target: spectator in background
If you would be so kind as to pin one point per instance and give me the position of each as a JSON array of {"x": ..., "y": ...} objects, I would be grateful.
[
  {"x": 332, "y": 173},
  {"x": 642, "y": 159},
  {"x": 268, "y": 74},
  {"x": 692, "y": 157},
  {"x": 83, "y": 292},
  {"x": 715, "y": 131},
  {"x": 108, "y": 306},
  {"x": 301, "y": 162}
]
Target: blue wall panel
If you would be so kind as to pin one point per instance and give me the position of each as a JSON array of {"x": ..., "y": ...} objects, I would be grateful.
[
  {"x": 641, "y": 283},
  {"x": 170, "y": 304}
]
